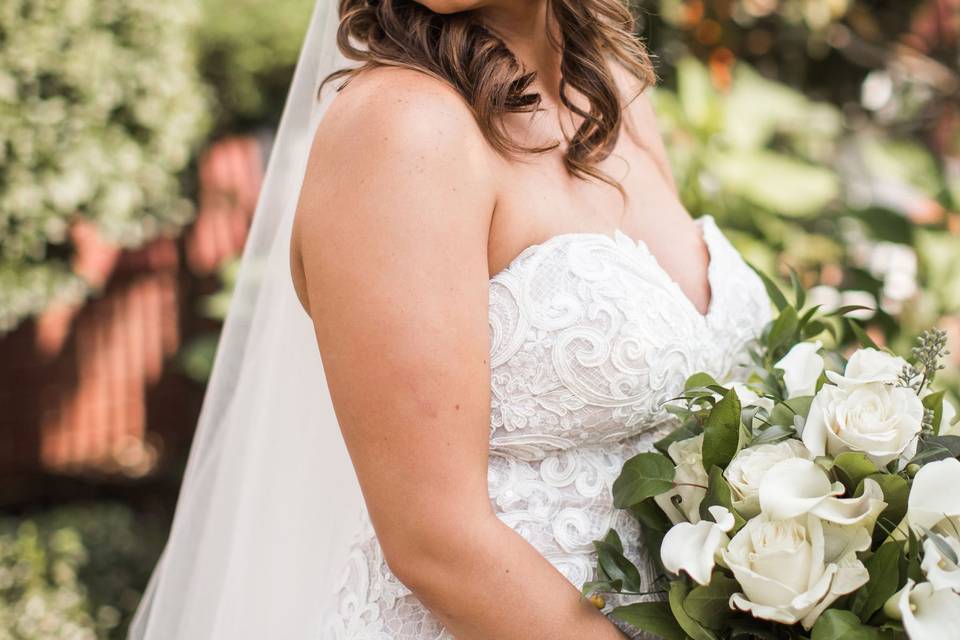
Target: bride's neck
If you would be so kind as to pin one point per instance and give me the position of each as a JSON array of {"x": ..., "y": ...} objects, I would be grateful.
[{"x": 523, "y": 25}]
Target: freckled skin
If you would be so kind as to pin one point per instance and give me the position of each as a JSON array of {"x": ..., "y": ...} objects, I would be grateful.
[{"x": 404, "y": 215}]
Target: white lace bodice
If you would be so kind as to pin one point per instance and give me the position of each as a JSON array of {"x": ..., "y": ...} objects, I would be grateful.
[{"x": 589, "y": 337}]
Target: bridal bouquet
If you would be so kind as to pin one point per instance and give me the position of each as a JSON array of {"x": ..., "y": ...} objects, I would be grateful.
[{"x": 819, "y": 499}]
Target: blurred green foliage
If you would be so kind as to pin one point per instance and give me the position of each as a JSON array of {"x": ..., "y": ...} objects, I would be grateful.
[
  {"x": 248, "y": 49},
  {"x": 74, "y": 573},
  {"x": 101, "y": 108},
  {"x": 824, "y": 136}
]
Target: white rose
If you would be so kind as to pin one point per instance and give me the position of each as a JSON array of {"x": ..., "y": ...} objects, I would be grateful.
[
  {"x": 746, "y": 471},
  {"x": 801, "y": 367},
  {"x": 690, "y": 481},
  {"x": 880, "y": 420},
  {"x": 788, "y": 569},
  {"x": 870, "y": 365},
  {"x": 941, "y": 569},
  {"x": 934, "y": 501},
  {"x": 693, "y": 548},
  {"x": 927, "y": 613}
]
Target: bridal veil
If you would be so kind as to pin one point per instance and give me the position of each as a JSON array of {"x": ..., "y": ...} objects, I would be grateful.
[{"x": 269, "y": 501}]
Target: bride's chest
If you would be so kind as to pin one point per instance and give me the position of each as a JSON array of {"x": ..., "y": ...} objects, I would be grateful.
[{"x": 590, "y": 336}]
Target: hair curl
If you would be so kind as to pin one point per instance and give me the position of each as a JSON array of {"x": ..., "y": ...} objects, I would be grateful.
[{"x": 458, "y": 49}]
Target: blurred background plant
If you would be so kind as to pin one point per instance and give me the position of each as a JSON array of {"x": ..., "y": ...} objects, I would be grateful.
[
  {"x": 74, "y": 573},
  {"x": 101, "y": 109},
  {"x": 824, "y": 135}
]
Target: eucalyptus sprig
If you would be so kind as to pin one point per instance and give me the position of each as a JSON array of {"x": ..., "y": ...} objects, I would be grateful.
[{"x": 928, "y": 358}]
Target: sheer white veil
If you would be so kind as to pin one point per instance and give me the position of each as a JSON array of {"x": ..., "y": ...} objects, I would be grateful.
[{"x": 269, "y": 501}]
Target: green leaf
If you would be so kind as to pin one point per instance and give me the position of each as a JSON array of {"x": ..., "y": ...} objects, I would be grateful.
[
  {"x": 835, "y": 624},
  {"x": 710, "y": 605},
  {"x": 773, "y": 434},
  {"x": 814, "y": 328},
  {"x": 913, "y": 569},
  {"x": 852, "y": 467},
  {"x": 753, "y": 629},
  {"x": 896, "y": 491},
  {"x": 613, "y": 538},
  {"x": 652, "y": 617},
  {"x": 773, "y": 291},
  {"x": 689, "y": 430},
  {"x": 808, "y": 314},
  {"x": 784, "y": 329},
  {"x": 616, "y": 566},
  {"x": 721, "y": 434},
  {"x": 884, "y": 569},
  {"x": 649, "y": 514},
  {"x": 934, "y": 402},
  {"x": 937, "y": 448},
  {"x": 601, "y": 586},
  {"x": 699, "y": 380},
  {"x": 844, "y": 310},
  {"x": 643, "y": 476},
  {"x": 784, "y": 412},
  {"x": 678, "y": 593},
  {"x": 865, "y": 340},
  {"x": 799, "y": 293},
  {"x": 719, "y": 494}
]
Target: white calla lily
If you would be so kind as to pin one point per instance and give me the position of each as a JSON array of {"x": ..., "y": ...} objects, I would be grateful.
[
  {"x": 797, "y": 486},
  {"x": 934, "y": 495},
  {"x": 747, "y": 470},
  {"x": 692, "y": 548},
  {"x": 939, "y": 565},
  {"x": 794, "y": 487},
  {"x": 927, "y": 613},
  {"x": 801, "y": 367}
]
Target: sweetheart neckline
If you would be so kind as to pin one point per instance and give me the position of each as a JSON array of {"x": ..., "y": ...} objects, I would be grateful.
[{"x": 618, "y": 238}]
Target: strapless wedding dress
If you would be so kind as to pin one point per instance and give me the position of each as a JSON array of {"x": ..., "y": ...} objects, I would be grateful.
[{"x": 589, "y": 337}]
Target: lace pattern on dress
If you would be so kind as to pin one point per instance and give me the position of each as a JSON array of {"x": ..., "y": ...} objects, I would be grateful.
[{"x": 589, "y": 338}]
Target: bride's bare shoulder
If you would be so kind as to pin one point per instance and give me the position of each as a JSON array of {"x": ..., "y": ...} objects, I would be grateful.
[{"x": 399, "y": 105}]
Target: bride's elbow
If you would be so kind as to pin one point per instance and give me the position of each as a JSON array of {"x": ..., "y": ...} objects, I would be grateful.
[
  {"x": 428, "y": 559},
  {"x": 418, "y": 564}
]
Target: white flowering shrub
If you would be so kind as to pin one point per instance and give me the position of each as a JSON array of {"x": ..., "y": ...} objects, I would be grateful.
[{"x": 101, "y": 107}]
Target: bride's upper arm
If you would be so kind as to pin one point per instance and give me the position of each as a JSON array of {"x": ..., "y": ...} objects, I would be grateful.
[{"x": 392, "y": 228}]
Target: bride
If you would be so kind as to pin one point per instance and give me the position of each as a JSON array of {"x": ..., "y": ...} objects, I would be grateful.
[{"x": 476, "y": 224}]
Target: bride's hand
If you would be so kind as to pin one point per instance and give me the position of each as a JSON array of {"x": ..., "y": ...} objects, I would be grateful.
[{"x": 391, "y": 233}]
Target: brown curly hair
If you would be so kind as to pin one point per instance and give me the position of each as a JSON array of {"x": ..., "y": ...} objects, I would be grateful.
[{"x": 459, "y": 50}]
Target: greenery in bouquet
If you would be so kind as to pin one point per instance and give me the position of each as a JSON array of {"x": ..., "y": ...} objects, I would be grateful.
[{"x": 815, "y": 497}]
